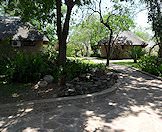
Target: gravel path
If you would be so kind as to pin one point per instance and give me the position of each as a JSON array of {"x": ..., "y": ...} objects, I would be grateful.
[{"x": 135, "y": 107}]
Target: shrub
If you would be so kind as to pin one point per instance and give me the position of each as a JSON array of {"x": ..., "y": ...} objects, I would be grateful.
[
  {"x": 136, "y": 53},
  {"x": 151, "y": 64},
  {"x": 49, "y": 53},
  {"x": 74, "y": 68},
  {"x": 25, "y": 68}
]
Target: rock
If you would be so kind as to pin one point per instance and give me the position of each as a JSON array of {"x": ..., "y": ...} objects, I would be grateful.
[
  {"x": 42, "y": 83},
  {"x": 104, "y": 81},
  {"x": 109, "y": 74},
  {"x": 48, "y": 78},
  {"x": 71, "y": 90},
  {"x": 69, "y": 85},
  {"x": 98, "y": 83},
  {"x": 99, "y": 72},
  {"x": 54, "y": 95},
  {"x": 108, "y": 79},
  {"x": 115, "y": 76},
  {"x": 103, "y": 77},
  {"x": 75, "y": 79}
]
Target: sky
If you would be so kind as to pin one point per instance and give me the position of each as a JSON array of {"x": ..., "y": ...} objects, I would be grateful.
[{"x": 141, "y": 19}]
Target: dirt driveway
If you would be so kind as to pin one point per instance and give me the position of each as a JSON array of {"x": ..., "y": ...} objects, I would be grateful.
[{"x": 135, "y": 107}]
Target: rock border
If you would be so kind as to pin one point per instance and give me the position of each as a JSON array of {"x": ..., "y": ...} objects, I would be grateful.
[
  {"x": 50, "y": 100},
  {"x": 153, "y": 76}
]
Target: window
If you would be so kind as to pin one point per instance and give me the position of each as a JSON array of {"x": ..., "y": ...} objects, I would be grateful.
[
  {"x": 28, "y": 43},
  {"x": 16, "y": 43}
]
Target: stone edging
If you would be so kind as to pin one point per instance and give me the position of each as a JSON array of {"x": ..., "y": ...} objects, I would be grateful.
[
  {"x": 156, "y": 77},
  {"x": 93, "y": 95}
]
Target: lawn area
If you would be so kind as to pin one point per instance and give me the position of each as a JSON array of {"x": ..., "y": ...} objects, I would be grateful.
[{"x": 127, "y": 63}]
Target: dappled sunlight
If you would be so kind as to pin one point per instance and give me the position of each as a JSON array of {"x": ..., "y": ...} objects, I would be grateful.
[
  {"x": 136, "y": 106},
  {"x": 29, "y": 129},
  {"x": 11, "y": 120},
  {"x": 141, "y": 119},
  {"x": 132, "y": 119}
]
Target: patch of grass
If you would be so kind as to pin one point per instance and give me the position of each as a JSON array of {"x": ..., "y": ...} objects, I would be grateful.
[{"x": 131, "y": 64}]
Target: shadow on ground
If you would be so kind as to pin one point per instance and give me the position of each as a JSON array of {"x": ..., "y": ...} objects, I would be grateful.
[{"x": 136, "y": 106}]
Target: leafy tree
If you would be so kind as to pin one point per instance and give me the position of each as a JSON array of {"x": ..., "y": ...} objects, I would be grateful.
[
  {"x": 91, "y": 30},
  {"x": 116, "y": 19},
  {"x": 155, "y": 17},
  {"x": 47, "y": 11},
  {"x": 88, "y": 33},
  {"x": 142, "y": 34}
]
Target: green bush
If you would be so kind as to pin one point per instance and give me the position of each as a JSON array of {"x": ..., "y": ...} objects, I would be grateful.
[
  {"x": 50, "y": 53},
  {"x": 25, "y": 67},
  {"x": 151, "y": 64},
  {"x": 74, "y": 68},
  {"x": 136, "y": 53}
]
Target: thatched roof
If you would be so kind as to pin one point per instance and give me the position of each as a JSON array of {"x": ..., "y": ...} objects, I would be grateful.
[
  {"x": 13, "y": 27},
  {"x": 126, "y": 38}
]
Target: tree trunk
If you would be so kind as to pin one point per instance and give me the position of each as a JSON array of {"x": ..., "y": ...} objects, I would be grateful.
[
  {"x": 62, "y": 33},
  {"x": 110, "y": 40},
  {"x": 160, "y": 49},
  {"x": 59, "y": 29},
  {"x": 135, "y": 60},
  {"x": 109, "y": 48}
]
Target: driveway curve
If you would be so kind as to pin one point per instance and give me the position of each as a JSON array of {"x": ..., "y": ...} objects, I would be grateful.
[{"x": 135, "y": 107}]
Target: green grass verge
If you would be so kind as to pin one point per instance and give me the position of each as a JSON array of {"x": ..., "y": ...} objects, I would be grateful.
[{"x": 131, "y": 64}]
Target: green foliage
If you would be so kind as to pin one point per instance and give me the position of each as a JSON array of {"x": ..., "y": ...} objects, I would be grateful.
[
  {"x": 24, "y": 68},
  {"x": 91, "y": 30},
  {"x": 120, "y": 22},
  {"x": 127, "y": 63},
  {"x": 136, "y": 53},
  {"x": 75, "y": 50},
  {"x": 50, "y": 53},
  {"x": 143, "y": 34},
  {"x": 74, "y": 68},
  {"x": 151, "y": 64}
]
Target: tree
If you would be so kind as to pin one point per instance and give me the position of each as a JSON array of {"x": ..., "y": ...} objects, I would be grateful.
[
  {"x": 47, "y": 11},
  {"x": 143, "y": 34},
  {"x": 116, "y": 19},
  {"x": 155, "y": 17},
  {"x": 88, "y": 33}
]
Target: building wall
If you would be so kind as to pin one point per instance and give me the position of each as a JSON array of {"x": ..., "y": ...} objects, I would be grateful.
[
  {"x": 6, "y": 48},
  {"x": 119, "y": 52},
  {"x": 35, "y": 48}
]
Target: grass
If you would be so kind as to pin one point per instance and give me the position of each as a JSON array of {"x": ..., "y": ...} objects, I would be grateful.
[{"x": 130, "y": 64}]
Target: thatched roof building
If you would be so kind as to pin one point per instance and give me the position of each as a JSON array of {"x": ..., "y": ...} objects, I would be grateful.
[
  {"x": 126, "y": 38},
  {"x": 122, "y": 45},
  {"x": 13, "y": 27}
]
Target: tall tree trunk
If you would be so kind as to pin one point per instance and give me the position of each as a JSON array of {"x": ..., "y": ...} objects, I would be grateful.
[
  {"x": 59, "y": 30},
  {"x": 62, "y": 33},
  {"x": 160, "y": 50},
  {"x": 62, "y": 56},
  {"x": 109, "y": 48}
]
